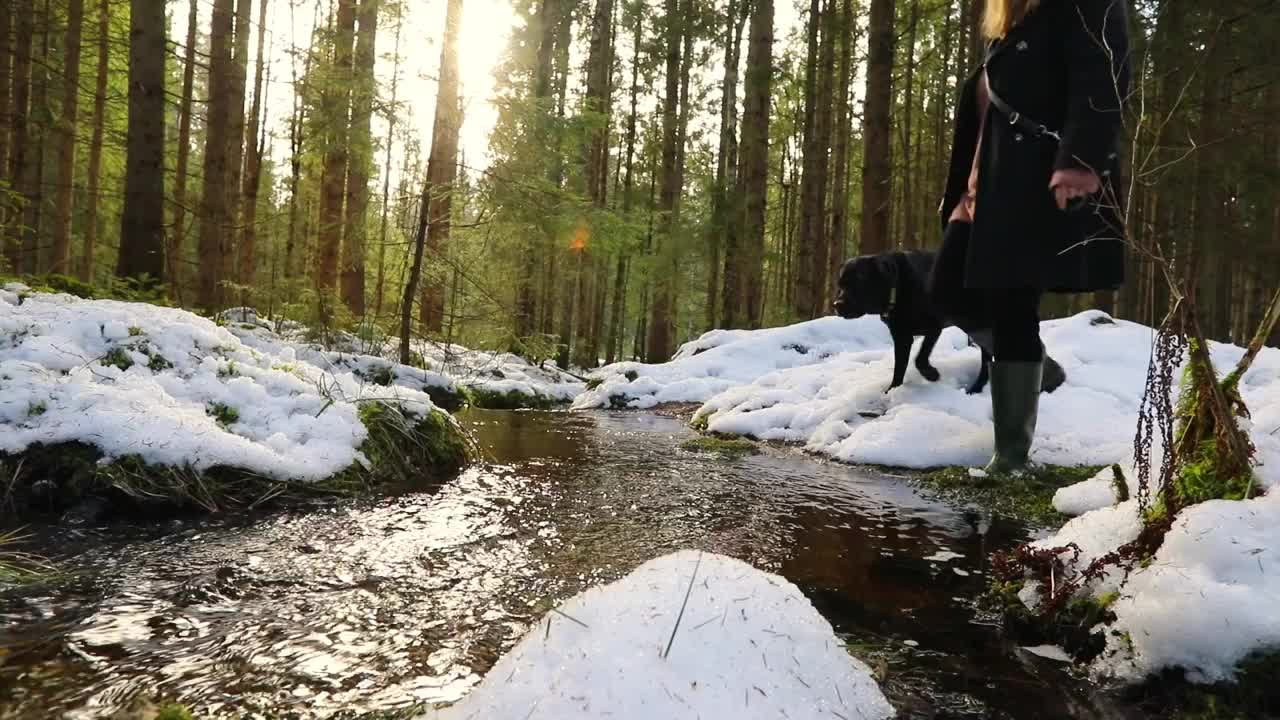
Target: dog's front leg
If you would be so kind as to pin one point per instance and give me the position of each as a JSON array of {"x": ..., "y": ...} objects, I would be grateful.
[
  {"x": 983, "y": 374},
  {"x": 901, "y": 355},
  {"x": 927, "y": 370}
]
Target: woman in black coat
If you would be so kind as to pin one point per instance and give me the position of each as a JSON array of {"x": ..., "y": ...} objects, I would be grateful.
[{"x": 1033, "y": 193}]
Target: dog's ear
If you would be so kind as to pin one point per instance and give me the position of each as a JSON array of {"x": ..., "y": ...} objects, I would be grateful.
[{"x": 887, "y": 267}]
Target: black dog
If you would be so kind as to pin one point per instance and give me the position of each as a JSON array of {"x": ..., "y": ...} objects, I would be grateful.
[{"x": 892, "y": 286}]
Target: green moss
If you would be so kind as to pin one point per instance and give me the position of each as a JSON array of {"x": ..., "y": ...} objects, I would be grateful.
[
  {"x": 157, "y": 362},
  {"x": 36, "y": 409},
  {"x": 117, "y": 357},
  {"x": 223, "y": 413},
  {"x": 510, "y": 400},
  {"x": 174, "y": 712},
  {"x": 1028, "y": 497},
  {"x": 729, "y": 448},
  {"x": 228, "y": 371},
  {"x": 404, "y": 452},
  {"x": 593, "y": 383},
  {"x": 1253, "y": 695},
  {"x": 700, "y": 423},
  {"x": 135, "y": 331},
  {"x": 1076, "y": 628},
  {"x": 445, "y": 398},
  {"x": 377, "y": 374},
  {"x": 1118, "y": 484},
  {"x": 408, "y": 452},
  {"x": 1199, "y": 479}
]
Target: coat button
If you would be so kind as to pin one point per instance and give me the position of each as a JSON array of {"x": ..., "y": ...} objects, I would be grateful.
[
  {"x": 1017, "y": 137},
  {"x": 1022, "y": 45}
]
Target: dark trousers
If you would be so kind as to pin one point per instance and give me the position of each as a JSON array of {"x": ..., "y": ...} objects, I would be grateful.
[{"x": 1011, "y": 314}]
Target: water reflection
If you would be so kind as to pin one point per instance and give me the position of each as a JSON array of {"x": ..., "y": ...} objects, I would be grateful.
[{"x": 373, "y": 606}]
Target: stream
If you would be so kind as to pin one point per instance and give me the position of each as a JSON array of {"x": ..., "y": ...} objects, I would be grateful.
[{"x": 353, "y": 609}]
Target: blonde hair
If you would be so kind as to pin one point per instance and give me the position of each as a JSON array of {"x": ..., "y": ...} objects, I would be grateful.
[{"x": 1002, "y": 15}]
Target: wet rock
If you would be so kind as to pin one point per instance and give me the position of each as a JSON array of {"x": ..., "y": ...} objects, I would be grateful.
[{"x": 89, "y": 511}]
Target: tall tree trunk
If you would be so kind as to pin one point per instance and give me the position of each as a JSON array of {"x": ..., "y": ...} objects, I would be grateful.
[
  {"x": 839, "y": 233},
  {"x": 442, "y": 170},
  {"x": 336, "y": 104},
  {"x": 910, "y": 208},
  {"x": 744, "y": 273},
  {"x": 595, "y": 152},
  {"x": 94, "y": 180},
  {"x": 24, "y": 39},
  {"x": 37, "y": 132},
  {"x": 391, "y": 113},
  {"x": 616, "y": 331},
  {"x": 214, "y": 221},
  {"x": 361, "y": 160},
  {"x": 235, "y": 140},
  {"x": 142, "y": 222},
  {"x": 813, "y": 245},
  {"x": 66, "y": 150},
  {"x": 661, "y": 330},
  {"x": 6, "y": 56},
  {"x": 184, "y": 154},
  {"x": 719, "y": 234},
  {"x": 247, "y": 248},
  {"x": 548, "y": 20},
  {"x": 297, "y": 139},
  {"x": 877, "y": 180}
]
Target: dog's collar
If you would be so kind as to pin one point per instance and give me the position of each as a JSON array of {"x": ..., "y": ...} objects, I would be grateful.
[{"x": 893, "y": 302}]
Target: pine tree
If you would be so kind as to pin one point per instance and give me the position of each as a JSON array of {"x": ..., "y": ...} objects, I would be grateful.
[
  {"x": 178, "y": 237},
  {"x": 66, "y": 147},
  {"x": 442, "y": 169},
  {"x": 247, "y": 247},
  {"x": 876, "y": 168},
  {"x": 335, "y": 108},
  {"x": 142, "y": 221},
  {"x": 744, "y": 271},
  {"x": 214, "y": 213},
  {"x": 360, "y": 163},
  {"x": 93, "y": 190}
]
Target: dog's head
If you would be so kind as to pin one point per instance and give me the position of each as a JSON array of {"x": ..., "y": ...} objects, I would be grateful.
[{"x": 866, "y": 286}]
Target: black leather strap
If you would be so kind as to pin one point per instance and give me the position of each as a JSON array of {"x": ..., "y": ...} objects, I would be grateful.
[{"x": 1018, "y": 120}]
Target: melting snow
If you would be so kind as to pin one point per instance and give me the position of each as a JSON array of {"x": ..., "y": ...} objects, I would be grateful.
[
  {"x": 136, "y": 379},
  {"x": 749, "y": 645}
]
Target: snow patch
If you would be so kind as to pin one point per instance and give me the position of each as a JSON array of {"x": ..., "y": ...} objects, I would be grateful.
[
  {"x": 724, "y": 359},
  {"x": 749, "y": 645},
  {"x": 449, "y": 366},
  {"x": 176, "y": 389}
]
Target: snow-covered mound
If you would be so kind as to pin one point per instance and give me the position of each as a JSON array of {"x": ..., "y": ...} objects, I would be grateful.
[
  {"x": 1206, "y": 601},
  {"x": 501, "y": 373},
  {"x": 746, "y": 644},
  {"x": 176, "y": 389},
  {"x": 840, "y": 408},
  {"x": 449, "y": 367},
  {"x": 725, "y": 359}
]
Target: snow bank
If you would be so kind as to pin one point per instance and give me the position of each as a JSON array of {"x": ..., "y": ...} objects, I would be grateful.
[
  {"x": 749, "y": 645},
  {"x": 175, "y": 389},
  {"x": 1209, "y": 598},
  {"x": 450, "y": 366},
  {"x": 725, "y": 359},
  {"x": 839, "y": 407},
  {"x": 501, "y": 373}
]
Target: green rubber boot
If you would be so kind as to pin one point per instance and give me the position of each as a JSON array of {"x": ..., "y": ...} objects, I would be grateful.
[{"x": 1015, "y": 402}]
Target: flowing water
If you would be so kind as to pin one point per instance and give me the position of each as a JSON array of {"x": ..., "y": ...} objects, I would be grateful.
[{"x": 345, "y": 609}]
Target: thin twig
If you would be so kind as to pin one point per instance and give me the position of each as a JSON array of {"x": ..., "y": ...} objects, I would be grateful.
[{"x": 683, "y": 605}]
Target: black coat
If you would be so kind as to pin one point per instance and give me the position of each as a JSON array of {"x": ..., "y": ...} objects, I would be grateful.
[{"x": 1066, "y": 66}]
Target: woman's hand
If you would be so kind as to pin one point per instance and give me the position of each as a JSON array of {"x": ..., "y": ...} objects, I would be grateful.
[{"x": 1067, "y": 185}]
